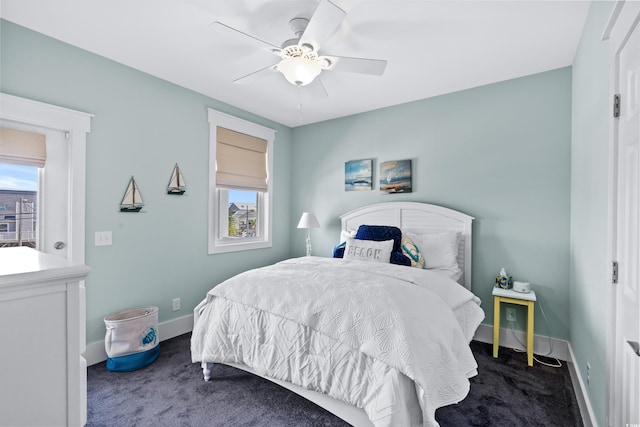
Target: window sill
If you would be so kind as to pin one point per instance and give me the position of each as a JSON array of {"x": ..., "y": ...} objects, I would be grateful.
[{"x": 222, "y": 247}]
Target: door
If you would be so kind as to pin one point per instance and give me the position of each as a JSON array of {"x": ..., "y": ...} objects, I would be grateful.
[
  {"x": 624, "y": 393},
  {"x": 53, "y": 185},
  {"x": 64, "y": 176}
]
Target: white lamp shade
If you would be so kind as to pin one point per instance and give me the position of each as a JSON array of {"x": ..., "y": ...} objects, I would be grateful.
[
  {"x": 298, "y": 70},
  {"x": 308, "y": 220}
]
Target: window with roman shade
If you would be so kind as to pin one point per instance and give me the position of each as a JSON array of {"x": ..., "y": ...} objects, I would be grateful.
[
  {"x": 241, "y": 161},
  {"x": 22, "y": 148},
  {"x": 240, "y": 184}
]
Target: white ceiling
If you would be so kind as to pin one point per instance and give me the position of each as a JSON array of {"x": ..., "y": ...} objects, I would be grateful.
[{"x": 432, "y": 47}]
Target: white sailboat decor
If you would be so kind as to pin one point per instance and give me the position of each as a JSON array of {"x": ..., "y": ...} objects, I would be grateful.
[
  {"x": 132, "y": 200},
  {"x": 176, "y": 183}
]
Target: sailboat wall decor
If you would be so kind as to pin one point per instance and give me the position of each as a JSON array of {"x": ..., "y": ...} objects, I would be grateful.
[
  {"x": 176, "y": 183},
  {"x": 132, "y": 200}
]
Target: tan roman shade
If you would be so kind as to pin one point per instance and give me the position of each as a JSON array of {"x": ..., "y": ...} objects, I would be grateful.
[
  {"x": 241, "y": 161},
  {"x": 22, "y": 148}
]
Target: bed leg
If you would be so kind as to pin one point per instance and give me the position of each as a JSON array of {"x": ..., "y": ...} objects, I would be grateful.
[{"x": 206, "y": 370}]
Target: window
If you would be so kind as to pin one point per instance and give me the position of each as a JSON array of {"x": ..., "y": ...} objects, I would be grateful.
[
  {"x": 243, "y": 218},
  {"x": 22, "y": 155},
  {"x": 240, "y": 171},
  {"x": 18, "y": 213}
]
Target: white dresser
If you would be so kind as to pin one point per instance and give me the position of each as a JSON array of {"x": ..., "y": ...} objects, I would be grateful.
[{"x": 43, "y": 376}]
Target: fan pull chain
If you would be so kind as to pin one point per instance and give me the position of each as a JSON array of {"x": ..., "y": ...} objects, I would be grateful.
[{"x": 299, "y": 107}]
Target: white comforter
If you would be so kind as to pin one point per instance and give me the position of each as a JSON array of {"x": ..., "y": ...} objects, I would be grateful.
[{"x": 352, "y": 329}]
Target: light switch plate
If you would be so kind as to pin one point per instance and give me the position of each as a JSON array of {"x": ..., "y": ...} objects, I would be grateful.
[{"x": 103, "y": 238}]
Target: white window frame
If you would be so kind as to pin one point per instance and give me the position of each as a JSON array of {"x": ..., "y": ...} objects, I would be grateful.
[{"x": 218, "y": 201}]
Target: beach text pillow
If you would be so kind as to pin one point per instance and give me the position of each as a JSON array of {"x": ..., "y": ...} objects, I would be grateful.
[{"x": 368, "y": 250}]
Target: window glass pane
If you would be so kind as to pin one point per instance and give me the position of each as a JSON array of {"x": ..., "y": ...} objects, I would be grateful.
[
  {"x": 243, "y": 214},
  {"x": 18, "y": 205},
  {"x": 18, "y": 177}
]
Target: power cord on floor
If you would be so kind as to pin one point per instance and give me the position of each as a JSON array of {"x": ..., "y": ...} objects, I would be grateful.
[{"x": 558, "y": 364}]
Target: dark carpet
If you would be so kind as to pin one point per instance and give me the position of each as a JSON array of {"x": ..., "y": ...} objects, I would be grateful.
[{"x": 171, "y": 392}]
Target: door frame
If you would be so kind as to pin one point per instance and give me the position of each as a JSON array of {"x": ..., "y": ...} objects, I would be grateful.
[
  {"x": 76, "y": 125},
  {"x": 624, "y": 14}
]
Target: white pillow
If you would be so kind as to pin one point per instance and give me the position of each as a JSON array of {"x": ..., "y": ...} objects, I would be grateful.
[
  {"x": 440, "y": 250},
  {"x": 454, "y": 273},
  {"x": 368, "y": 250},
  {"x": 344, "y": 234}
]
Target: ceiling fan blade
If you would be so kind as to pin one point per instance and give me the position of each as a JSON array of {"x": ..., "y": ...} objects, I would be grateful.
[
  {"x": 325, "y": 20},
  {"x": 316, "y": 89},
  {"x": 255, "y": 40},
  {"x": 256, "y": 75},
  {"x": 374, "y": 67}
]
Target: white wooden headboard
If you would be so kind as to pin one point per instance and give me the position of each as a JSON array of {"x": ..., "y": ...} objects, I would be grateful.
[{"x": 422, "y": 217}]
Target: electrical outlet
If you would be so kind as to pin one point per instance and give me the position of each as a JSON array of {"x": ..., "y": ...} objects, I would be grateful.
[
  {"x": 176, "y": 304},
  {"x": 511, "y": 314},
  {"x": 588, "y": 374}
]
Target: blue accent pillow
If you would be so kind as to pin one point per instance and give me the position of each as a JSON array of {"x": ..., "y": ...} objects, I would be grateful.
[
  {"x": 338, "y": 251},
  {"x": 380, "y": 233},
  {"x": 400, "y": 259}
]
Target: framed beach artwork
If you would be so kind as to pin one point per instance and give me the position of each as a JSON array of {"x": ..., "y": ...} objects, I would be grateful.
[
  {"x": 358, "y": 175},
  {"x": 395, "y": 176}
]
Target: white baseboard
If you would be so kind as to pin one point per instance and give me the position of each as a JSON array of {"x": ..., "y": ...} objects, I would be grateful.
[
  {"x": 548, "y": 347},
  {"x": 542, "y": 345},
  {"x": 96, "y": 353},
  {"x": 588, "y": 417}
]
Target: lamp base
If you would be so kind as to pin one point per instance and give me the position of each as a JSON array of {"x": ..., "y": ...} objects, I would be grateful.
[{"x": 308, "y": 243}]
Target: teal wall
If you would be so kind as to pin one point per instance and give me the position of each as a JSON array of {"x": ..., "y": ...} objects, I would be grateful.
[
  {"x": 142, "y": 127},
  {"x": 589, "y": 276},
  {"x": 500, "y": 153}
]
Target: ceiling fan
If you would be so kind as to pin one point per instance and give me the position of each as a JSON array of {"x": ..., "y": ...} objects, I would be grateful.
[{"x": 300, "y": 61}]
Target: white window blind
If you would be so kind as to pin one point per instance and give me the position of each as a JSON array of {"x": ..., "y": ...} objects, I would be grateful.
[
  {"x": 241, "y": 161},
  {"x": 22, "y": 148}
]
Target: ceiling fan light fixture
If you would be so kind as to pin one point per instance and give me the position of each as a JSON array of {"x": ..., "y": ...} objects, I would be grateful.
[
  {"x": 324, "y": 62},
  {"x": 307, "y": 48},
  {"x": 299, "y": 70}
]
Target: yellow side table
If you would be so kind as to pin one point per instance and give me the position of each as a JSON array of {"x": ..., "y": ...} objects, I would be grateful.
[{"x": 512, "y": 297}]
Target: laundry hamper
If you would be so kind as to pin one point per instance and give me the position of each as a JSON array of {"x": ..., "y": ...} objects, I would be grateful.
[{"x": 131, "y": 341}]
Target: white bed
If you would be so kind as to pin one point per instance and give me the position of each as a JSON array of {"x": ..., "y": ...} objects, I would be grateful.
[{"x": 313, "y": 308}]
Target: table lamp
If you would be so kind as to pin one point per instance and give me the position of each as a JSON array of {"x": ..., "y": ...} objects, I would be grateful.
[{"x": 308, "y": 220}]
